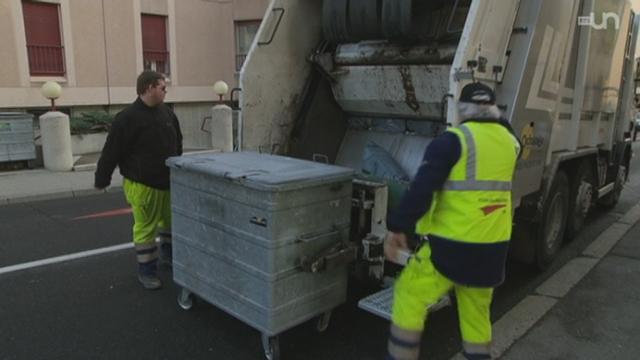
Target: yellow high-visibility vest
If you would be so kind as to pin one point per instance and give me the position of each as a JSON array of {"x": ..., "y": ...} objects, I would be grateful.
[{"x": 474, "y": 205}]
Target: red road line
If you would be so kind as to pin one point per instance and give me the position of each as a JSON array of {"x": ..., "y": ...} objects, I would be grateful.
[{"x": 110, "y": 213}]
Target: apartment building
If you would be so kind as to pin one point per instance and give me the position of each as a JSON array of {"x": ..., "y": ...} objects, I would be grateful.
[{"x": 96, "y": 48}]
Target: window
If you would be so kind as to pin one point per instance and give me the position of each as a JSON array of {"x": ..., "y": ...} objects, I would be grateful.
[
  {"x": 155, "y": 55},
  {"x": 44, "y": 40},
  {"x": 245, "y": 32}
]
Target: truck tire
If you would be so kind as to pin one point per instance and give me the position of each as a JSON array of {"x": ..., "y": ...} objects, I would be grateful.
[
  {"x": 610, "y": 200},
  {"x": 364, "y": 19},
  {"x": 550, "y": 232},
  {"x": 335, "y": 19},
  {"x": 581, "y": 195},
  {"x": 396, "y": 18},
  {"x": 523, "y": 240}
]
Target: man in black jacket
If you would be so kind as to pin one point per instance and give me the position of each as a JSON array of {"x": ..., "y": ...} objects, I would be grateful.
[{"x": 142, "y": 137}]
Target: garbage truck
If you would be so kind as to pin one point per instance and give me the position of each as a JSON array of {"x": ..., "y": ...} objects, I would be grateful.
[
  {"x": 367, "y": 84},
  {"x": 326, "y": 79}
]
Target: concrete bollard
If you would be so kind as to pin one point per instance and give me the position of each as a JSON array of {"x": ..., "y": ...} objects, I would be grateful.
[
  {"x": 222, "y": 128},
  {"x": 56, "y": 141}
]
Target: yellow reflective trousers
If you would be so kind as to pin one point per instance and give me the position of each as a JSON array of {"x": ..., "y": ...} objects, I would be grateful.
[
  {"x": 421, "y": 285},
  {"x": 151, "y": 211}
]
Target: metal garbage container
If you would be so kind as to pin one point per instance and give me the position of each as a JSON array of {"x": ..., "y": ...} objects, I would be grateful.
[
  {"x": 262, "y": 237},
  {"x": 16, "y": 137}
]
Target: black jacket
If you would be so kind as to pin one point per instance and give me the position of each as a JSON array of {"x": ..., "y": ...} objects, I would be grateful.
[{"x": 140, "y": 140}]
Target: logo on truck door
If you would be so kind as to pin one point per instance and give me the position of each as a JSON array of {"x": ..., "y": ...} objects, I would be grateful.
[
  {"x": 604, "y": 24},
  {"x": 530, "y": 141}
]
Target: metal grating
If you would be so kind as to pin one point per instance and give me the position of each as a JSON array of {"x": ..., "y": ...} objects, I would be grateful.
[{"x": 380, "y": 303}]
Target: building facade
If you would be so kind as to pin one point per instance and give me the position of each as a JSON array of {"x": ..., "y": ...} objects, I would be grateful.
[{"x": 96, "y": 48}]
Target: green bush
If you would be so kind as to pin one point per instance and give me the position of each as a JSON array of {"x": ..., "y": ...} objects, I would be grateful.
[{"x": 91, "y": 122}]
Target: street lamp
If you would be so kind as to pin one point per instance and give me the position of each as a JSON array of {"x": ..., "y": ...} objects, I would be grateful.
[
  {"x": 51, "y": 90},
  {"x": 221, "y": 89}
]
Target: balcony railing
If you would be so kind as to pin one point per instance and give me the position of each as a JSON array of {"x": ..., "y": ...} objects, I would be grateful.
[
  {"x": 156, "y": 60},
  {"x": 46, "y": 60}
]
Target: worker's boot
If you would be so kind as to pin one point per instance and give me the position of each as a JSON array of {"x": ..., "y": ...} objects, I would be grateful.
[
  {"x": 166, "y": 250},
  {"x": 147, "y": 256}
]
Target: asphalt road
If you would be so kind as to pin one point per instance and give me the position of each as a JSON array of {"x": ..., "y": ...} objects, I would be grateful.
[{"x": 93, "y": 308}]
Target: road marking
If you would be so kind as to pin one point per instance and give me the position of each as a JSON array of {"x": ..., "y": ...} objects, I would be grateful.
[
  {"x": 63, "y": 258},
  {"x": 117, "y": 212}
]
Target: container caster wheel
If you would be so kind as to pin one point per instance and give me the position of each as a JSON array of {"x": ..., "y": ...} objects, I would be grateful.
[
  {"x": 322, "y": 321},
  {"x": 271, "y": 346},
  {"x": 185, "y": 299}
]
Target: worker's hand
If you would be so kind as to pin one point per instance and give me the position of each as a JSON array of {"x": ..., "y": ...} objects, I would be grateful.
[{"x": 393, "y": 243}]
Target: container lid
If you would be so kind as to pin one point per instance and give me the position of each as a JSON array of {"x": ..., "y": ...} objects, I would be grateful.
[{"x": 262, "y": 171}]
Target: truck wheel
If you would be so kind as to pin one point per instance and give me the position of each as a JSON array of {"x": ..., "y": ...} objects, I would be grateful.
[
  {"x": 335, "y": 20},
  {"x": 396, "y": 18},
  {"x": 364, "y": 19},
  {"x": 550, "y": 232},
  {"x": 610, "y": 200},
  {"x": 580, "y": 198},
  {"x": 523, "y": 242}
]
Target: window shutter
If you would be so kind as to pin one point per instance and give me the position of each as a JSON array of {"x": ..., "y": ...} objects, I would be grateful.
[
  {"x": 44, "y": 42},
  {"x": 154, "y": 43}
]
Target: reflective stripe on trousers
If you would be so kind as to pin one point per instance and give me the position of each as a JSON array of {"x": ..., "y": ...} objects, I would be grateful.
[{"x": 403, "y": 344}]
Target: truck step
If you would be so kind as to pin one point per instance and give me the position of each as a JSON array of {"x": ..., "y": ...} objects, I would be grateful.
[{"x": 380, "y": 303}]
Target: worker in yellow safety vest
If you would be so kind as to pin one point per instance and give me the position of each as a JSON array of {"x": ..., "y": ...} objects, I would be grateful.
[{"x": 460, "y": 203}]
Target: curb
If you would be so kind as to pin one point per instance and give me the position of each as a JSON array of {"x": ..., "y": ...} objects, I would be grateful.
[
  {"x": 58, "y": 195},
  {"x": 85, "y": 167},
  {"x": 525, "y": 315}
]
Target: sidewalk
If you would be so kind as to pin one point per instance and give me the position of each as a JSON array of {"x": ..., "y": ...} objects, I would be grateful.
[
  {"x": 586, "y": 310},
  {"x": 599, "y": 317},
  {"x": 41, "y": 184}
]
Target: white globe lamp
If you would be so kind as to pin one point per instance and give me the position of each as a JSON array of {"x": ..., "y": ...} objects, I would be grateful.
[
  {"x": 51, "y": 90},
  {"x": 221, "y": 89}
]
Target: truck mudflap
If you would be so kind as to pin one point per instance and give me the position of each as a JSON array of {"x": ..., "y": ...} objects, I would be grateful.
[{"x": 380, "y": 303}]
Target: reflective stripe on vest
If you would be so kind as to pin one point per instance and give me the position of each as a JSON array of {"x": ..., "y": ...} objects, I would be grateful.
[
  {"x": 474, "y": 204},
  {"x": 477, "y": 185},
  {"x": 471, "y": 183}
]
